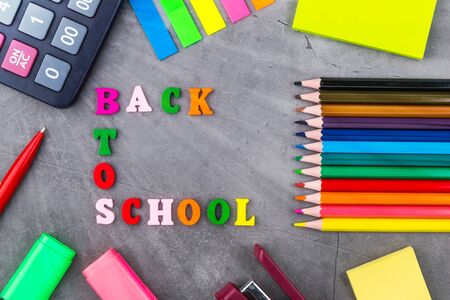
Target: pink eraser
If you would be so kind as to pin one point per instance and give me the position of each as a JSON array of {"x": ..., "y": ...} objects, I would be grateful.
[
  {"x": 112, "y": 278},
  {"x": 236, "y": 9}
]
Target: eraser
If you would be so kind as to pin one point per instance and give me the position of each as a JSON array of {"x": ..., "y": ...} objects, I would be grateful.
[{"x": 112, "y": 278}]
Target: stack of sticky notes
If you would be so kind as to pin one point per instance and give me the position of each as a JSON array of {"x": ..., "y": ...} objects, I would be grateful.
[
  {"x": 396, "y": 276},
  {"x": 396, "y": 26}
]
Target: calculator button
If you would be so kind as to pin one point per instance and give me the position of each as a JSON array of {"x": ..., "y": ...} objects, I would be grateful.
[
  {"x": 87, "y": 8},
  {"x": 20, "y": 58},
  {"x": 69, "y": 36},
  {"x": 56, "y": 1},
  {"x": 8, "y": 10},
  {"x": 2, "y": 40},
  {"x": 53, "y": 73},
  {"x": 36, "y": 21}
]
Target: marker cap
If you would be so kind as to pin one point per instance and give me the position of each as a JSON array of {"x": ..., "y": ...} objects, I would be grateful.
[
  {"x": 112, "y": 278},
  {"x": 41, "y": 271}
]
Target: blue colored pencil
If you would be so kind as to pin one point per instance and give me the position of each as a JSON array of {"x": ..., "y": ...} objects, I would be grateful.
[{"x": 378, "y": 147}]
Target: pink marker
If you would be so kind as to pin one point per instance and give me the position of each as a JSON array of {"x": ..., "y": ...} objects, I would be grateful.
[
  {"x": 112, "y": 278},
  {"x": 236, "y": 9}
]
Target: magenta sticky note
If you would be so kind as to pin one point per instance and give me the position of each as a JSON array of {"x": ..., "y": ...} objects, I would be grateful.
[
  {"x": 236, "y": 9},
  {"x": 112, "y": 278}
]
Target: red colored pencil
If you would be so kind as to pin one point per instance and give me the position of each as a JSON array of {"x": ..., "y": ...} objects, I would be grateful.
[
  {"x": 378, "y": 211},
  {"x": 378, "y": 185},
  {"x": 18, "y": 170}
]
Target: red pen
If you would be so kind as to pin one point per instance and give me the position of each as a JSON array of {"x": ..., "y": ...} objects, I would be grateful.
[{"x": 18, "y": 170}]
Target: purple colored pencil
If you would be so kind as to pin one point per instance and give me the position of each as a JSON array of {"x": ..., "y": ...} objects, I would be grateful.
[{"x": 378, "y": 123}]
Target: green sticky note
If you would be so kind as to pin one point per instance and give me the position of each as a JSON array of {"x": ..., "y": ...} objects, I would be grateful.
[
  {"x": 396, "y": 26},
  {"x": 182, "y": 22}
]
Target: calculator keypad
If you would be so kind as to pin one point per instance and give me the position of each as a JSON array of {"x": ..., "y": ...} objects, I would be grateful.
[
  {"x": 69, "y": 36},
  {"x": 87, "y": 8},
  {"x": 53, "y": 73},
  {"x": 20, "y": 58},
  {"x": 36, "y": 21},
  {"x": 8, "y": 10}
]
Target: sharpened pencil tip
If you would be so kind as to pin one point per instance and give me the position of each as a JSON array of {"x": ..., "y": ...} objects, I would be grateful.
[
  {"x": 300, "y": 198},
  {"x": 300, "y": 146},
  {"x": 303, "y": 224},
  {"x": 298, "y": 158},
  {"x": 298, "y": 171},
  {"x": 302, "y": 134},
  {"x": 300, "y": 109},
  {"x": 299, "y": 97},
  {"x": 298, "y": 211},
  {"x": 43, "y": 129},
  {"x": 300, "y": 185},
  {"x": 301, "y": 122},
  {"x": 298, "y": 83}
]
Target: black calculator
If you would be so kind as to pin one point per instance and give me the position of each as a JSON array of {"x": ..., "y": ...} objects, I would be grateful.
[{"x": 48, "y": 46}]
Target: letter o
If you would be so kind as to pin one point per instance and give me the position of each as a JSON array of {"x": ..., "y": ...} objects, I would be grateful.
[
  {"x": 226, "y": 211},
  {"x": 107, "y": 181},
  {"x": 195, "y": 207}
]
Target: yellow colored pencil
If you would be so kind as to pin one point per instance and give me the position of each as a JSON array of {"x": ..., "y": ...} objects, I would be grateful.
[{"x": 378, "y": 225}]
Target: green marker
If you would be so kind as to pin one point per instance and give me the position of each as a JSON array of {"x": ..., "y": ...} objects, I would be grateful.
[
  {"x": 40, "y": 271},
  {"x": 182, "y": 22}
]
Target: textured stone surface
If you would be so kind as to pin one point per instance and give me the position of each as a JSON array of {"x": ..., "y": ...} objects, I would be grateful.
[{"x": 244, "y": 150}]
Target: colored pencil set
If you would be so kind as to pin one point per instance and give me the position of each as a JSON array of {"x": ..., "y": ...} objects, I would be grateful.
[{"x": 382, "y": 161}]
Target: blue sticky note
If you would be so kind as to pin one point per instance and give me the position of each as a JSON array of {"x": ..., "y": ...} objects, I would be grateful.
[{"x": 154, "y": 28}]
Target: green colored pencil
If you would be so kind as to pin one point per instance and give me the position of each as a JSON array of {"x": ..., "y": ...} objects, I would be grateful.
[
  {"x": 364, "y": 159},
  {"x": 376, "y": 172}
]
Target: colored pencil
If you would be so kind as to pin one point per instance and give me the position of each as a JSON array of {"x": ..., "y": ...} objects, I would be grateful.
[
  {"x": 378, "y": 225},
  {"x": 378, "y": 147},
  {"x": 18, "y": 170},
  {"x": 368, "y": 198},
  {"x": 362, "y": 97},
  {"x": 377, "y": 211},
  {"x": 376, "y": 84},
  {"x": 361, "y": 172},
  {"x": 377, "y": 111},
  {"x": 378, "y": 123},
  {"x": 364, "y": 159},
  {"x": 374, "y": 136},
  {"x": 377, "y": 185}
]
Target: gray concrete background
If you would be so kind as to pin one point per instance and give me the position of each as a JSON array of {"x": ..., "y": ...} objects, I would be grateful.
[{"x": 244, "y": 150}]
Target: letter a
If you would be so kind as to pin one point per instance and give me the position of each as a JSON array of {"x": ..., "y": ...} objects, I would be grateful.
[{"x": 138, "y": 102}]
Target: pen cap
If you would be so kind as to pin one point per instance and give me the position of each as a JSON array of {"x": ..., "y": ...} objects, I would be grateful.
[
  {"x": 40, "y": 271},
  {"x": 112, "y": 278}
]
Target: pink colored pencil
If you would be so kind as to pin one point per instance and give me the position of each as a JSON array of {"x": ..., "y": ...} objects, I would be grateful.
[{"x": 378, "y": 211}]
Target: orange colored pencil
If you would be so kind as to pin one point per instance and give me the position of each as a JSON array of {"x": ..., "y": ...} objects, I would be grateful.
[
  {"x": 341, "y": 198},
  {"x": 379, "y": 111}
]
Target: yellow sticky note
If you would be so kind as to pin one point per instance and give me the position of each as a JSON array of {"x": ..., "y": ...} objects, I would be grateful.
[
  {"x": 396, "y": 276},
  {"x": 396, "y": 26},
  {"x": 209, "y": 15}
]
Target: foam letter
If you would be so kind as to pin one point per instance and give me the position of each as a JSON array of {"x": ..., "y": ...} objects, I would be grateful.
[
  {"x": 199, "y": 105},
  {"x": 138, "y": 102},
  {"x": 102, "y": 207},
  {"x": 106, "y": 101},
  {"x": 165, "y": 212},
  {"x": 127, "y": 206},
  {"x": 166, "y": 103},
  {"x": 195, "y": 207},
  {"x": 104, "y": 176},
  {"x": 241, "y": 216},
  {"x": 212, "y": 210},
  {"x": 104, "y": 134}
]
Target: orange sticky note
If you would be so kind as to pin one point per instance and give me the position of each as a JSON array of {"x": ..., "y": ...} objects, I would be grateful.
[{"x": 260, "y": 4}]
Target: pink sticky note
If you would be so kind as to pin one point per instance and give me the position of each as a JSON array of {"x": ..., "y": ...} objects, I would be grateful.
[
  {"x": 2, "y": 39},
  {"x": 20, "y": 58},
  {"x": 112, "y": 279},
  {"x": 236, "y": 9}
]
